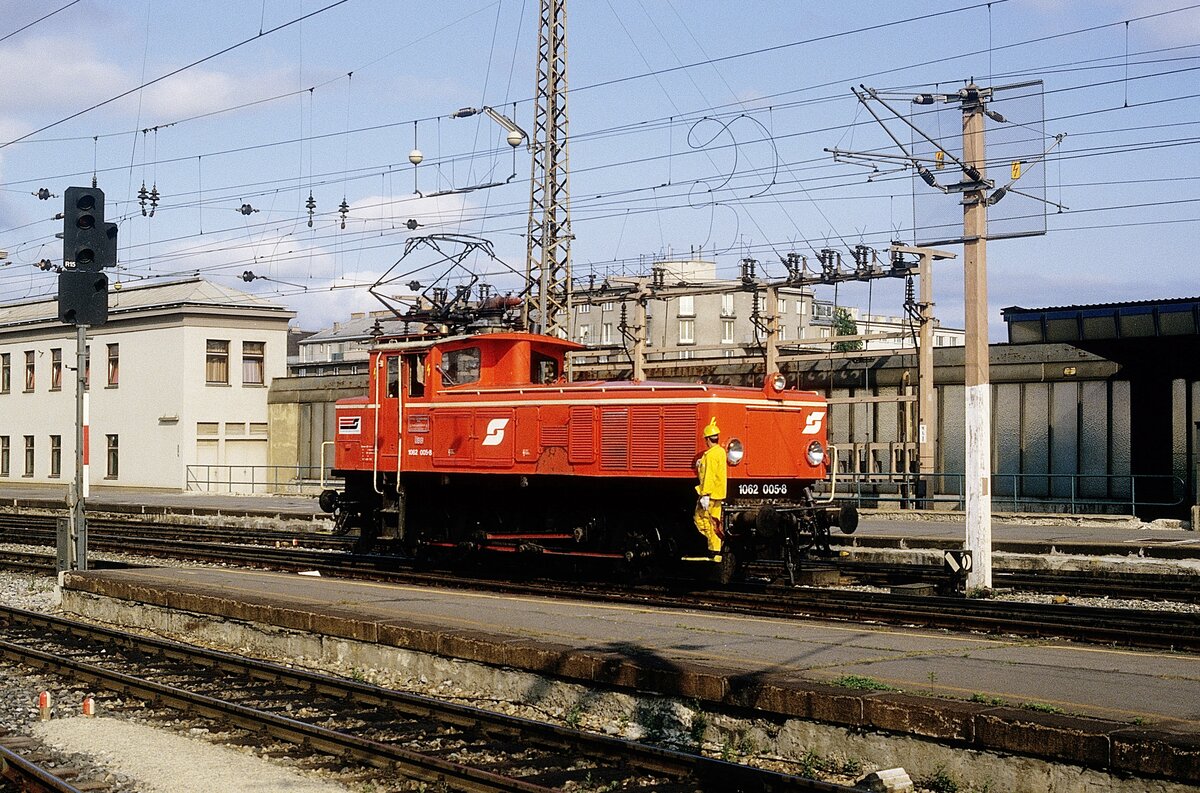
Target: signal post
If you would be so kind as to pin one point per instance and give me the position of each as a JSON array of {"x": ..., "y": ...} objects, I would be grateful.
[{"x": 89, "y": 246}]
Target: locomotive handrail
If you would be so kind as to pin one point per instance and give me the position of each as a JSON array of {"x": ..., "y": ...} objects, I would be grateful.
[
  {"x": 833, "y": 473},
  {"x": 323, "y": 445}
]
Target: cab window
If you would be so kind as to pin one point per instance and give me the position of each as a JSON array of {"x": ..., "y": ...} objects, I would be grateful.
[
  {"x": 544, "y": 369},
  {"x": 416, "y": 375},
  {"x": 393, "y": 376},
  {"x": 460, "y": 367}
]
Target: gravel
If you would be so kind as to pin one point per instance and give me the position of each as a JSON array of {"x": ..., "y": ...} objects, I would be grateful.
[{"x": 137, "y": 758}]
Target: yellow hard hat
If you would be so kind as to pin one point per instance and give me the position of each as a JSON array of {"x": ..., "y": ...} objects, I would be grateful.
[{"x": 712, "y": 428}]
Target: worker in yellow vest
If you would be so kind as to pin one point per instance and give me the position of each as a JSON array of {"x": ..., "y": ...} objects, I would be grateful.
[{"x": 711, "y": 470}]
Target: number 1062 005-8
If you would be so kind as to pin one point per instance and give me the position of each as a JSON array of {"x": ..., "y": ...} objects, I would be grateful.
[{"x": 764, "y": 489}]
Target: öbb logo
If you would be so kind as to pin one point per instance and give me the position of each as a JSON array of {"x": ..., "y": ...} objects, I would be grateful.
[
  {"x": 812, "y": 425},
  {"x": 495, "y": 432}
]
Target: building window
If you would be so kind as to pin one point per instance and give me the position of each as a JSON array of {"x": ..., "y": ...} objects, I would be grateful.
[
  {"x": 216, "y": 364},
  {"x": 727, "y": 305},
  {"x": 5, "y": 372},
  {"x": 56, "y": 369},
  {"x": 28, "y": 455},
  {"x": 55, "y": 456},
  {"x": 30, "y": 355},
  {"x": 727, "y": 331},
  {"x": 606, "y": 333},
  {"x": 5, "y": 454},
  {"x": 801, "y": 307},
  {"x": 687, "y": 331},
  {"x": 112, "y": 456},
  {"x": 685, "y": 355},
  {"x": 781, "y": 306},
  {"x": 585, "y": 333},
  {"x": 114, "y": 364},
  {"x": 253, "y": 363},
  {"x": 606, "y": 305},
  {"x": 583, "y": 308},
  {"x": 687, "y": 305},
  {"x": 782, "y": 333}
]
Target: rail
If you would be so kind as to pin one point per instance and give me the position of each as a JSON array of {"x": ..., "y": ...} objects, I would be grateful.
[
  {"x": 1069, "y": 493},
  {"x": 258, "y": 479}
]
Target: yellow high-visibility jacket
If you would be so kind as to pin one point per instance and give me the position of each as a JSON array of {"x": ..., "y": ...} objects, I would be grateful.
[{"x": 711, "y": 470}]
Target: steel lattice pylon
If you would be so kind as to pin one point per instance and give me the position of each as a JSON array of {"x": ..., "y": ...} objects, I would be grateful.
[{"x": 548, "y": 253}]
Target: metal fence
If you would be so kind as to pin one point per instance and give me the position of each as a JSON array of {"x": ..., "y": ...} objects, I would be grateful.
[
  {"x": 1057, "y": 493},
  {"x": 259, "y": 479}
]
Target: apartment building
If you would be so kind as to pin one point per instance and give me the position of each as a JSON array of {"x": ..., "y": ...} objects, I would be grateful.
[
  {"x": 177, "y": 380},
  {"x": 717, "y": 320}
]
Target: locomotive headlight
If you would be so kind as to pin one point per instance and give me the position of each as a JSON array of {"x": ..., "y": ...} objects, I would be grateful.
[
  {"x": 735, "y": 451},
  {"x": 815, "y": 453},
  {"x": 779, "y": 382}
]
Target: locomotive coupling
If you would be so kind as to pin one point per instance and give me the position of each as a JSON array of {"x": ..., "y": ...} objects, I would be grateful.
[{"x": 845, "y": 517}]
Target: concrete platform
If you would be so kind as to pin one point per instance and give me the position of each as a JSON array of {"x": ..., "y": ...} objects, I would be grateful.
[{"x": 1130, "y": 712}]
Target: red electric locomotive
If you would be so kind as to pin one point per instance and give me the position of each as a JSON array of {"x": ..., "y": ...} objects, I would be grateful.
[{"x": 478, "y": 444}]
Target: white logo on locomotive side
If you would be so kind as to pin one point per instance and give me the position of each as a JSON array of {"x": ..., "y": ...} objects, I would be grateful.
[
  {"x": 812, "y": 425},
  {"x": 495, "y": 432}
]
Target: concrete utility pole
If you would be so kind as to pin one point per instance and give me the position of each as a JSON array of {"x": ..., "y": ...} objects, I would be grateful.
[
  {"x": 772, "y": 346},
  {"x": 926, "y": 393},
  {"x": 978, "y": 388}
]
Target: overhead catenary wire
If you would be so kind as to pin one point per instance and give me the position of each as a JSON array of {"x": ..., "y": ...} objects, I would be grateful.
[{"x": 667, "y": 206}]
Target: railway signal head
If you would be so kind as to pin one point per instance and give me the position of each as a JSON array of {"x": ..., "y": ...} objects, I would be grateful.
[
  {"x": 82, "y": 297},
  {"x": 89, "y": 244}
]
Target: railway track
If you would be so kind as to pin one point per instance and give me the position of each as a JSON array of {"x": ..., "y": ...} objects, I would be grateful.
[
  {"x": 28, "y": 776},
  {"x": 421, "y": 738},
  {"x": 1122, "y": 626},
  {"x": 218, "y": 544},
  {"x": 1180, "y": 588}
]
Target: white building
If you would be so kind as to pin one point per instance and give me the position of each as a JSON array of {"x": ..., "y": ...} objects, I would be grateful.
[{"x": 177, "y": 379}]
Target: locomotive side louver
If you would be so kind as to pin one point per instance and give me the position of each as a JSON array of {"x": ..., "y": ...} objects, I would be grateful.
[
  {"x": 646, "y": 448},
  {"x": 582, "y": 431},
  {"x": 554, "y": 436},
  {"x": 679, "y": 437},
  {"x": 614, "y": 438}
]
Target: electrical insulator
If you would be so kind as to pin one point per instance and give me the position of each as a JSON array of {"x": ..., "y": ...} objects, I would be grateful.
[
  {"x": 311, "y": 204},
  {"x": 927, "y": 176},
  {"x": 153, "y": 199},
  {"x": 343, "y": 210},
  {"x": 910, "y": 298},
  {"x": 143, "y": 194},
  {"x": 248, "y": 276}
]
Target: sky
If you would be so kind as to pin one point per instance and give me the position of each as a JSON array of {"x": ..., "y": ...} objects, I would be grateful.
[{"x": 694, "y": 130}]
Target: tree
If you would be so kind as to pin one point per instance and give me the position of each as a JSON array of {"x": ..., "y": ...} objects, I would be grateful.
[{"x": 844, "y": 325}]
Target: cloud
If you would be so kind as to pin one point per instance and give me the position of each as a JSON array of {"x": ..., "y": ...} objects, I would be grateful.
[
  {"x": 73, "y": 81},
  {"x": 198, "y": 91}
]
